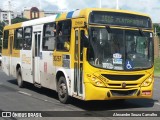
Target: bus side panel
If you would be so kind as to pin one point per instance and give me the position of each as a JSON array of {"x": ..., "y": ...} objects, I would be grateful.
[
  {"x": 5, "y": 63},
  {"x": 64, "y": 66},
  {"x": 26, "y": 66},
  {"x": 15, "y": 61},
  {"x": 6, "y": 58},
  {"x": 47, "y": 70},
  {"x": 67, "y": 74}
]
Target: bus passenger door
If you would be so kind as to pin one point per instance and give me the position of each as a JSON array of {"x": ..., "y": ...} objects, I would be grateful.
[
  {"x": 78, "y": 64},
  {"x": 36, "y": 57}
]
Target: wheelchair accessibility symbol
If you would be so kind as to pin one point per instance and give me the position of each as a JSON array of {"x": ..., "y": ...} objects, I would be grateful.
[{"x": 129, "y": 65}]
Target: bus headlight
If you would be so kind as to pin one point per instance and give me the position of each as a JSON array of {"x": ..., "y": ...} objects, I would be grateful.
[
  {"x": 147, "y": 82},
  {"x": 95, "y": 81}
]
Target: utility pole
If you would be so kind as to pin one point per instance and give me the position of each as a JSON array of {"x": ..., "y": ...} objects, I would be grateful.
[
  {"x": 40, "y": 5},
  {"x": 100, "y": 4},
  {"x": 117, "y": 5},
  {"x": 9, "y": 12},
  {"x": 155, "y": 31}
]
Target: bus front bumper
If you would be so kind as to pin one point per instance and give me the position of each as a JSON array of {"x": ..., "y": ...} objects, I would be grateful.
[{"x": 99, "y": 93}]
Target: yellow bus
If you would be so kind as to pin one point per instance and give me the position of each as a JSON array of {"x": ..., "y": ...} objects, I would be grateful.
[{"x": 89, "y": 54}]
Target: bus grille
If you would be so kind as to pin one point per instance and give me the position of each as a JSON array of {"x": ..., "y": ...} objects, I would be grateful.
[
  {"x": 122, "y": 77},
  {"x": 123, "y": 93},
  {"x": 120, "y": 85}
]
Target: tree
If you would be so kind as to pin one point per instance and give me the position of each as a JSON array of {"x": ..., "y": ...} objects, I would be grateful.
[
  {"x": 157, "y": 26},
  {"x": 18, "y": 19},
  {"x": 13, "y": 21},
  {"x": 2, "y": 24}
]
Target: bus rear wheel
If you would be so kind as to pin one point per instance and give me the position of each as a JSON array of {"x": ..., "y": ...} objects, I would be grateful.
[
  {"x": 19, "y": 78},
  {"x": 63, "y": 91}
]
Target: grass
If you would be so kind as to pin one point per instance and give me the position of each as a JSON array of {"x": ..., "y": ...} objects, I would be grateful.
[{"x": 157, "y": 66}]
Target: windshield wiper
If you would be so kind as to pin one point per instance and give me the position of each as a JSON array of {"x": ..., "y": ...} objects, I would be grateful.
[{"x": 141, "y": 32}]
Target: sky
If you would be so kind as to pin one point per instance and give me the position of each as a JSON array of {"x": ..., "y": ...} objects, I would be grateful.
[{"x": 150, "y": 7}]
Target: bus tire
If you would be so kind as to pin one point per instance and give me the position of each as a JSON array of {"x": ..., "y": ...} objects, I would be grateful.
[
  {"x": 62, "y": 90},
  {"x": 19, "y": 78}
]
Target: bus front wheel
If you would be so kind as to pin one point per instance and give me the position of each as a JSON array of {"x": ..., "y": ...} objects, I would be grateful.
[
  {"x": 62, "y": 90},
  {"x": 19, "y": 78}
]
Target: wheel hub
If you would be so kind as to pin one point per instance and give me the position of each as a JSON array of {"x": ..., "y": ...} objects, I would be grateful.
[{"x": 62, "y": 90}]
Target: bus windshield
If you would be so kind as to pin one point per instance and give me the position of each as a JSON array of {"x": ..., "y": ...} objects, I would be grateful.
[{"x": 119, "y": 49}]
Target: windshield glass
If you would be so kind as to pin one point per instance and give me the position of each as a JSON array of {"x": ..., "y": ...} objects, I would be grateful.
[{"x": 119, "y": 49}]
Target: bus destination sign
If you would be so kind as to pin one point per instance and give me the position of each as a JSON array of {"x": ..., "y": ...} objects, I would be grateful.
[{"x": 120, "y": 19}]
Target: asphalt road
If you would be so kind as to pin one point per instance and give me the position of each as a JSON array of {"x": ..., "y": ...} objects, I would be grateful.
[{"x": 31, "y": 98}]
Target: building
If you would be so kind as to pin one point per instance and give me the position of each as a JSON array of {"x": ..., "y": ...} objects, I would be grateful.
[
  {"x": 4, "y": 15},
  {"x": 33, "y": 13}
]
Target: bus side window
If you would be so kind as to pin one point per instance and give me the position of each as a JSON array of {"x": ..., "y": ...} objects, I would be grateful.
[
  {"x": 5, "y": 39},
  {"x": 27, "y": 43},
  {"x": 18, "y": 38},
  {"x": 49, "y": 37},
  {"x": 63, "y": 35}
]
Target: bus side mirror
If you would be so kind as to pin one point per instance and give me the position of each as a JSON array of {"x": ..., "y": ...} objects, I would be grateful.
[{"x": 84, "y": 39}]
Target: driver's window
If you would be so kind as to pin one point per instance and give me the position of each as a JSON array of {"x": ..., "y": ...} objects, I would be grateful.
[
  {"x": 63, "y": 35},
  {"x": 142, "y": 45},
  {"x": 18, "y": 37}
]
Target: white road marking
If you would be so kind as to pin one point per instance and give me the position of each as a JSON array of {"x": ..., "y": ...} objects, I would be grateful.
[
  {"x": 157, "y": 103},
  {"x": 21, "y": 92},
  {"x": 25, "y": 93}
]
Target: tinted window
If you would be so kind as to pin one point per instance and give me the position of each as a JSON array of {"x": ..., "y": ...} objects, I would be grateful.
[
  {"x": 27, "y": 38},
  {"x": 49, "y": 37},
  {"x": 5, "y": 39},
  {"x": 63, "y": 35},
  {"x": 120, "y": 49},
  {"x": 18, "y": 38}
]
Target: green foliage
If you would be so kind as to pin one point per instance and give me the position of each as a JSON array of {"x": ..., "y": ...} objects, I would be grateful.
[
  {"x": 2, "y": 24},
  {"x": 18, "y": 20},
  {"x": 157, "y": 66},
  {"x": 0, "y": 45},
  {"x": 157, "y": 26}
]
